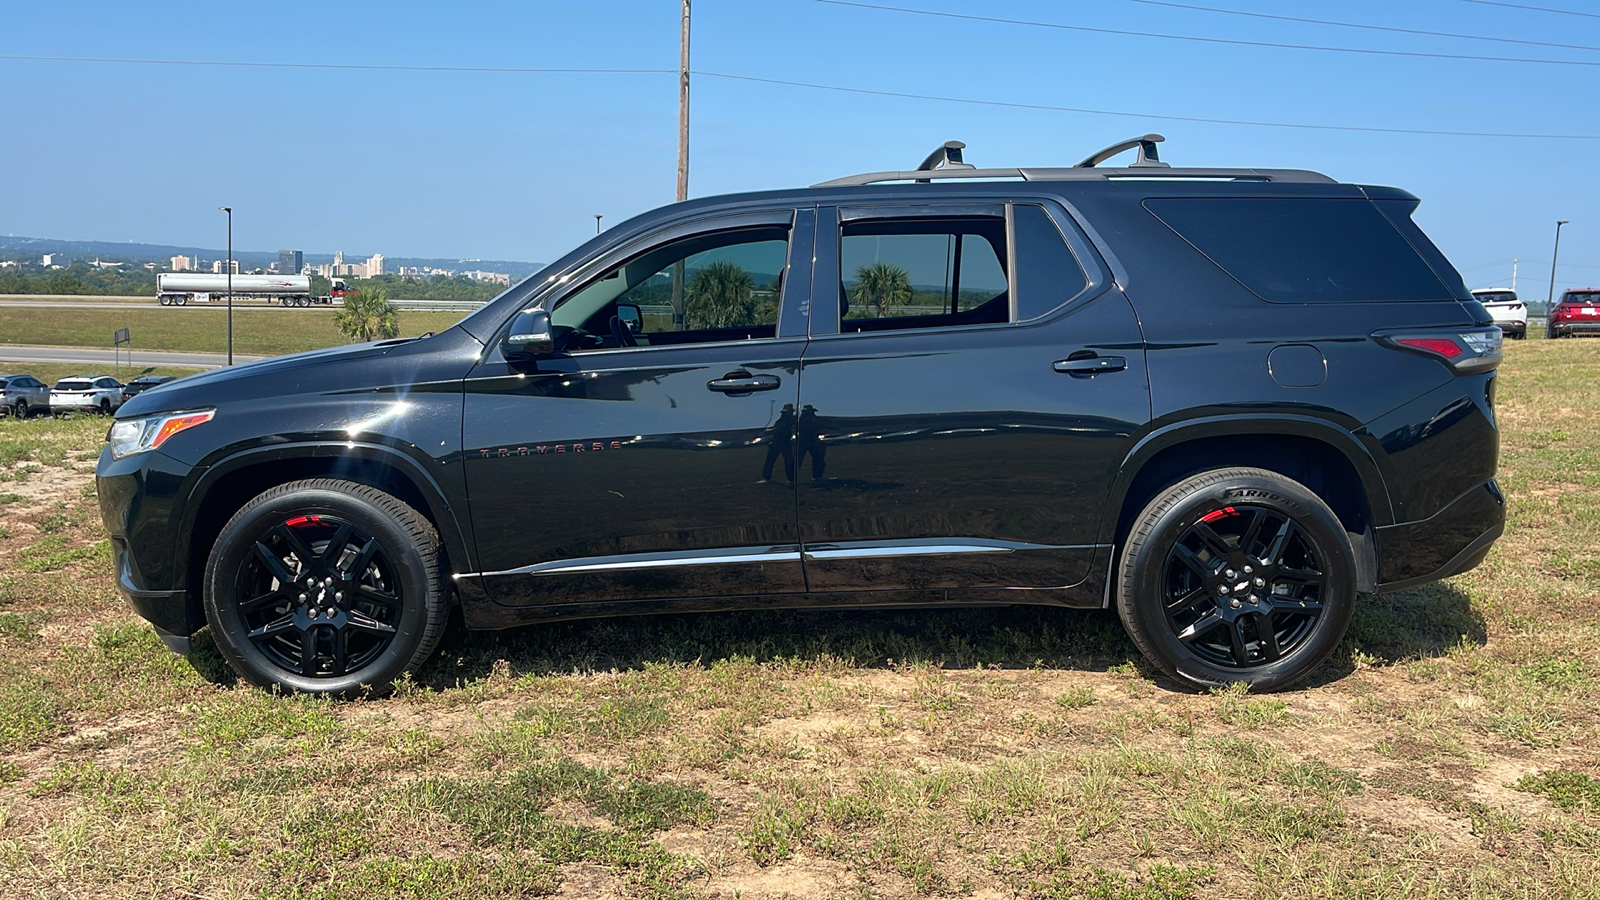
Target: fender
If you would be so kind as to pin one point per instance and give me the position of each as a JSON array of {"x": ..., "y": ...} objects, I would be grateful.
[
  {"x": 456, "y": 540},
  {"x": 1243, "y": 424}
]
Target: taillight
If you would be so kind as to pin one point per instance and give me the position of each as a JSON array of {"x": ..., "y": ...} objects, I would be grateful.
[{"x": 1464, "y": 350}]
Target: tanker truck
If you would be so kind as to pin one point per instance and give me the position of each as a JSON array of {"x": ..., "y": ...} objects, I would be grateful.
[{"x": 183, "y": 288}]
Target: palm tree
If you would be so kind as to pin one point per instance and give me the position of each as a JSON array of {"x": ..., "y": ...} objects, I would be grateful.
[
  {"x": 367, "y": 315},
  {"x": 882, "y": 287},
  {"x": 721, "y": 295}
]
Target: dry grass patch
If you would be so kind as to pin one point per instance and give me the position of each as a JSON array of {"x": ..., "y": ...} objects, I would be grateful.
[{"x": 1447, "y": 750}]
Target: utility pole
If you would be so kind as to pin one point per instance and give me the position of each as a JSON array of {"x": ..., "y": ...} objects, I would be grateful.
[
  {"x": 683, "y": 108},
  {"x": 1513, "y": 275},
  {"x": 229, "y": 211},
  {"x": 1550, "y": 300},
  {"x": 683, "y": 156}
]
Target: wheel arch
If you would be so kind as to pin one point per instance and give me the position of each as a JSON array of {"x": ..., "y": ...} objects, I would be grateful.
[
  {"x": 1328, "y": 460},
  {"x": 228, "y": 485}
]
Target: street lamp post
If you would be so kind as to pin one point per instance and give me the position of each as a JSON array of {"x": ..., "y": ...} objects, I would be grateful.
[
  {"x": 1549, "y": 299},
  {"x": 229, "y": 211}
]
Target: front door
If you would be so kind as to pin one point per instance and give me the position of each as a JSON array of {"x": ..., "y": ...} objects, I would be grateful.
[
  {"x": 968, "y": 394},
  {"x": 648, "y": 457}
]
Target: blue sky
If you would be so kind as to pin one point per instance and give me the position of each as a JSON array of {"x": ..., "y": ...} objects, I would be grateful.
[{"x": 515, "y": 165}]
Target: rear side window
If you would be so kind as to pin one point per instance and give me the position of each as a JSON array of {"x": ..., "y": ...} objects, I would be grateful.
[
  {"x": 922, "y": 273},
  {"x": 1303, "y": 250}
]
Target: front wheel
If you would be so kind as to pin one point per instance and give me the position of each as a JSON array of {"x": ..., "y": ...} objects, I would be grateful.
[
  {"x": 326, "y": 586},
  {"x": 1237, "y": 576},
  {"x": 21, "y": 409}
]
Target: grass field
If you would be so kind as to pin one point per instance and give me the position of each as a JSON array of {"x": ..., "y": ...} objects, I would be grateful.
[
  {"x": 256, "y": 332},
  {"x": 1449, "y": 749}
]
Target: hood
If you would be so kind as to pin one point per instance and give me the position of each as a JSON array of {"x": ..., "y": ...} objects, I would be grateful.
[{"x": 354, "y": 367}]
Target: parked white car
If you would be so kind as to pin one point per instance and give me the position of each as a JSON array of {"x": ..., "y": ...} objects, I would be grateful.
[
  {"x": 86, "y": 393},
  {"x": 1509, "y": 313}
]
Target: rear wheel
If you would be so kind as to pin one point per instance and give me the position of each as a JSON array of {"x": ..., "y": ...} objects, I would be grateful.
[
  {"x": 302, "y": 302},
  {"x": 20, "y": 410},
  {"x": 182, "y": 301},
  {"x": 1237, "y": 576},
  {"x": 105, "y": 407},
  {"x": 326, "y": 586},
  {"x": 165, "y": 300}
]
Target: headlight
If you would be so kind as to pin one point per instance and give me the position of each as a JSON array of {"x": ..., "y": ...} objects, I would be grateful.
[{"x": 131, "y": 436}]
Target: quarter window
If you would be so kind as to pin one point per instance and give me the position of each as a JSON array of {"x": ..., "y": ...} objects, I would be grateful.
[
  {"x": 722, "y": 286},
  {"x": 1303, "y": 250}
]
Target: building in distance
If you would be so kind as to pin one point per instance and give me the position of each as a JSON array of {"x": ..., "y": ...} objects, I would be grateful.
[
  {"x": 55, "y": 261},
  {"x": 290, "y": 262},
  {"x": 182, "y": 264},
  {"x": 216, "y": 267}
]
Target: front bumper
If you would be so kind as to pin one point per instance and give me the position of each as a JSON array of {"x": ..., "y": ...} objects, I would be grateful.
[
  {"x": 139, "y": 499},
  {"x": 1447, "y": 543}
]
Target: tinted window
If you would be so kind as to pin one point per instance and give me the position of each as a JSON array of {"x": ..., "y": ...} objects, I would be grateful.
[
  {"x": 712, "y": 287},
  {"x": 1048, "y": 274},
  {"x": 920, "y": 273},
  {"x": 1495, "y": 296},
  {"x": 1298, "y": 250},
  {"x": 72, "y": 385}
]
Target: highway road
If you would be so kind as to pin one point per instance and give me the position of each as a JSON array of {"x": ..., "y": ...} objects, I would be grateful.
[
  {"x": 54, "y": 302},
  {"x": 104, "y": 359}
]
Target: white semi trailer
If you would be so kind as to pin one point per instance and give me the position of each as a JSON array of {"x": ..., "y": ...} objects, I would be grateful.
[{"x": 183, "y": 288}]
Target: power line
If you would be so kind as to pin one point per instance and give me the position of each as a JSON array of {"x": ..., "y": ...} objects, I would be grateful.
[
  {"x": 969, "y": 101},
  {"x": 1136, "y": 115},
  {"x": 361, "y": 66},
  {"x": 1213, "y": 40},
  {"x": 1545, "y": 9},
  {"x": 1366, "y": 27}
]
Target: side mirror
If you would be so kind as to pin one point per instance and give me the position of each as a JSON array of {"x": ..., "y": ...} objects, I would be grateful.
[
  {"x": 530, "y": 335},
  {"x": 630, "y": 316}
]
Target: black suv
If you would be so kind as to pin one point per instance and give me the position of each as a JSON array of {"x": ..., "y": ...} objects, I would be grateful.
[{"x": 1223, "y": 401}]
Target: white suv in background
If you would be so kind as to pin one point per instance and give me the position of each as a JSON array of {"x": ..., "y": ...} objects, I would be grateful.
[
  {"x": 1509, "y": 312},
  {"x": 86, "y": 393}
]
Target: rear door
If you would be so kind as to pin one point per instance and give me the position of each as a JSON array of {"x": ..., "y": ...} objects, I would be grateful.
[
  {"x": 644, "y": 459},
  {"x": 973, "y": 382}
]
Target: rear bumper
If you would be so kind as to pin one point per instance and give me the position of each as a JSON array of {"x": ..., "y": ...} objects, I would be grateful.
[
  {"x": 1584, "y": 325},
  {"x": 1513, "y": 329},
  {"x": 1448, "y": 543}
]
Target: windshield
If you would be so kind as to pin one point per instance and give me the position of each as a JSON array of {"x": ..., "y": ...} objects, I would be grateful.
[{"x": 72, "y": 385}]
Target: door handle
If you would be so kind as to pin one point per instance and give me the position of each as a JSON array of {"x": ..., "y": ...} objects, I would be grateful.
[
  {"x": 743, "y": 383},
  {"x": 1090, "y": 365}
]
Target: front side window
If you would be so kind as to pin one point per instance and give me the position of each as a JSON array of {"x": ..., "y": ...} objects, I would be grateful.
[
  {"x": 919, "y": 273},
  {"x": 722, "y": 286}
]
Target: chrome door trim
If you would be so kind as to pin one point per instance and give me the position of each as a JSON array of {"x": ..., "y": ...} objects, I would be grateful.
[{"x": 718, "y": 556}]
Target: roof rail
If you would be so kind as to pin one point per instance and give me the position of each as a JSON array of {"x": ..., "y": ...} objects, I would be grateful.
[
  {"x": 1148, "y": 158},
  {"x": 946, "y": 163}
]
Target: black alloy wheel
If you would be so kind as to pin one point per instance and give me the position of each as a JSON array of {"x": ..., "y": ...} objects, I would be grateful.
[
  {"x": 1243, "y": 586},
  {"x": 21, "y": 409},
  {"x": 319, "y": 596},
  {"x": 105, "y": 407},
  {"x": 1237, "y": 576},
  {"x": 326, "y": 586}
]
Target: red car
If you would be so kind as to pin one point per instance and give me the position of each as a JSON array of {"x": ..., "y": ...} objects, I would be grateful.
[{"x": 1577, "y": 313}]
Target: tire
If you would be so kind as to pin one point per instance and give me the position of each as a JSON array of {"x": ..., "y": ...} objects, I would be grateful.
[
  {"x": 20, "y": 410},
  {"x": 1206, "y": 540},
  {"x": 386, "y": 622},
  {"x": 302, "y": 302},
  {"x": 182, "y": 301},
  {"x": 166, "y": 301}
]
